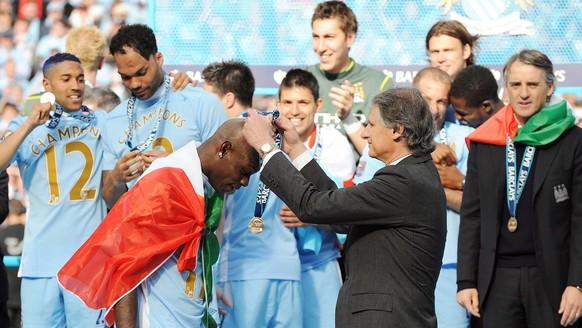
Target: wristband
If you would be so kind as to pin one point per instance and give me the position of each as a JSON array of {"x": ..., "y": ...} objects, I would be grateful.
[{"x": 351, "y": 124}]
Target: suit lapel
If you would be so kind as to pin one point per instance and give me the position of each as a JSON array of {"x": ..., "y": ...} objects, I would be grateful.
[{"x": 498, "y": 158}]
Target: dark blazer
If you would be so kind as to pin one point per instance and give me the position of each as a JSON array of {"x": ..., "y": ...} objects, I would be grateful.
[
  {"x": 4, "y": 321},
  {"x": 395, "y": 244},
  {"x": 557, "y": 216}
]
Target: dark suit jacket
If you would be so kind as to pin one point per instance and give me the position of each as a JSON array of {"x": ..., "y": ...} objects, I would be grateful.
[
  {"x": 395, "y": 244},
  {"x": 558, "y": 221},
  {"x": 3, "y": 214}
]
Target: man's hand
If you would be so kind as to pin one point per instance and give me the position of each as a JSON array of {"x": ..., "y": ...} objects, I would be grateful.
[
  {"x": 220, "y": 296},
  {"x": 149, "y": 156},
  {"x": 292, "y": 144},
  {"x": 342, "y": 98},
  {"x": 128, "y": 167},
  {"x": 451, "y": 177},
  {"x": 570, "y": 306},
  {"x": 469, "y": 299},
  {"x": 181, "y": 80},
  {"x": 258, "y": 130},
  {"x": 290, "y": 220},
  {"x": 39, "y": 114},
  {"x": 443, "y": 155}
]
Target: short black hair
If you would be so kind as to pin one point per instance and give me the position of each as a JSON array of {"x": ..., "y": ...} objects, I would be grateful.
[
  {"x": 300, "y": 78},
  {"x": 58, "y": 58},
  {"x": 231, "y": 76},
  {"x": 474, "y": 84},
  {"x": 138, "y": 37}
]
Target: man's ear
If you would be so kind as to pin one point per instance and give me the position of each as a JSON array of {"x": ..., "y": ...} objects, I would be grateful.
[
  {"x": 46, "y": 84},
  {"x": 487, "y": 107},
  {"x": 224, "y": 148},
  {"x": 159, "y": 58},
  {"x": 318, "y": 104},
  {"x": 228, "y": 100},
  {"x": 397, "y": 132}
]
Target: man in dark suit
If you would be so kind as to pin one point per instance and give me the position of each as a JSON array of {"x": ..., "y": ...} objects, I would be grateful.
[
  {"x": 4, "y": 319},
  {"x": 397, "y": 220},
  {"x": 520, "y": 240}
]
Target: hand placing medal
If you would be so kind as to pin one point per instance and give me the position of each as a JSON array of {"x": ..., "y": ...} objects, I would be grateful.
[{"x": 257, "y": 224}]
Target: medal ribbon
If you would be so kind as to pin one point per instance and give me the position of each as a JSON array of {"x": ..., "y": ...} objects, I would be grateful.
[
  {"x": 443, "y": 136},
  {"x": 317, "y": 151},
  {"x": 263, "y": 191},
  {"x": 515, "y": 188},
  {"x": 55, "y": 118},
  {"x": 131, "y": 118}
]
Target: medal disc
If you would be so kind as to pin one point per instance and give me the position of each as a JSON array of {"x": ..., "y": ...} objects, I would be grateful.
[
  {"x": 512, "y": 224},
  {"x": 48, "y": 97},
  {"x": 256, "y": 225}
]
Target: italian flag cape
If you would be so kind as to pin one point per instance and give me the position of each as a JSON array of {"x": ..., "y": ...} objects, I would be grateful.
[
  {"x": 540, "y": 129},
  {"x": 162, "y": 212}
]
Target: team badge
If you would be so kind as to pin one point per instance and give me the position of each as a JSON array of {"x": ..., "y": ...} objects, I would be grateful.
[{"x": 561, "y": 193}]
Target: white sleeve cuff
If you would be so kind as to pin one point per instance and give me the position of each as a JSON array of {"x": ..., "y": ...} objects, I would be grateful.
[
  {"x": 302, "y": 160},
  {"x": 351, "y": 124},
  {"x": 268, "y": 157}
]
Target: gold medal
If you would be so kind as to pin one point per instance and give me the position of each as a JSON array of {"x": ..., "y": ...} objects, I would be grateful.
[
  {"x": 512, "y": 224},
  {"x": 256, "y": 225}
]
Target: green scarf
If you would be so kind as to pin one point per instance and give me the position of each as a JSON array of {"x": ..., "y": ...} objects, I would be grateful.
[
  {"x": 546, "y": 126},
  {"x": 210, "y": 250}
]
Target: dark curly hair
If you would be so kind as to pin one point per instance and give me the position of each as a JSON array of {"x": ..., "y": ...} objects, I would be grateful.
[
  {"x": 474, "y": 84},
  {"x": 138, "y": 37}
]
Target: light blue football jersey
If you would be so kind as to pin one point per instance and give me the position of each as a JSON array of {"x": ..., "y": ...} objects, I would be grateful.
[
  {"x": 61, "y": 170},
  {"x": 455, "y": 138},
  {"x": 191, "y": 114},
  {"x": 271, "y": 254}
]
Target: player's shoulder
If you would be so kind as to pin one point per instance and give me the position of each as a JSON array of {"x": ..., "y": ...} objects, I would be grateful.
[
  {"x": 119, "y": 111},
  {"x": 190, "y": 93},
  {"x": 458, "y": 129}
]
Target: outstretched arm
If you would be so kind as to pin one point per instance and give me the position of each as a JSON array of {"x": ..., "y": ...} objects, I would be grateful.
[{"x": 39, "y": 115}]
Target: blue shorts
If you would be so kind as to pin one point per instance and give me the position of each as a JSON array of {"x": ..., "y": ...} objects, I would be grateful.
[
  {"x": 263, "y": 303},
  {"x": 449, "y": 313},
  {"x": 46, "y": 304},
  {"x": 320, "y": 287},
  {"x": 163, "y": 300}
]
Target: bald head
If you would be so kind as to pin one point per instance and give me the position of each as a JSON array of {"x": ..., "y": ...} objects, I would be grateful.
[{"x": 227, "y": 159}]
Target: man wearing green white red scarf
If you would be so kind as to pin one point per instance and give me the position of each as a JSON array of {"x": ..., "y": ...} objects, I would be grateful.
[{"x": 520, "y": 240}]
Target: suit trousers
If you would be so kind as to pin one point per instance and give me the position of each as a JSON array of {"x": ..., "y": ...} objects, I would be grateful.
[{"x": 517, "y": 299}]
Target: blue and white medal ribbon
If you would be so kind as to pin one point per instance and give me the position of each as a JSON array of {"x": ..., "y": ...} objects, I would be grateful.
[
  {"x": 131, "y": 113},
  {"x": 443, "y": 136},
  {"x": 86, "y": 115},
  {"x": 256, "y": 224},
  {"x": 515, "y": 187}
]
